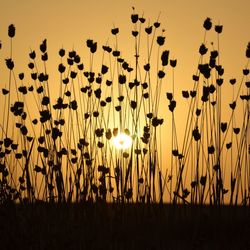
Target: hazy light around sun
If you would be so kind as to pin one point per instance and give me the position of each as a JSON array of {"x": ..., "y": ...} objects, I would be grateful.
[{"x": 122, "y": 141}]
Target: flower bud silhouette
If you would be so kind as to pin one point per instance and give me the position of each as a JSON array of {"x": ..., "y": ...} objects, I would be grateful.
[
  {"x": 146, "y": 67},
  {"x": 11, "y": 30},
  {"x": 157, "y": 25},
  {"x": 9, "y": 63},
  {"x": 173, "y": 63},
  {"x": 107, "y": 49},
  {"x": 207, "y": 24},
  {"x": 134, "y": 18},
  {"x": 223, "y": 127},
  {"x": 135, "y": 33},
  {"x": 142, "y": 19},
  {"x": 248, "y": 50},
  {"x": 32, "y": 55},
  {"x": 218, "y": 28},
  {"x": 148, "y": 30},
  {"x": 43, "y": 46},
  {"x": 203, "y": 49},
  {"x": 160, "y": 40},
  {"x": 115, "y": 31},
  {"x": 61, "y": 52},
  {"x": 164, "y": 57},
  {"x": 232, "y": 81}
]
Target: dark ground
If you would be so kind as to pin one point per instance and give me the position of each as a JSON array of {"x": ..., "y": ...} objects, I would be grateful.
[{"x": 113, "y": 226}]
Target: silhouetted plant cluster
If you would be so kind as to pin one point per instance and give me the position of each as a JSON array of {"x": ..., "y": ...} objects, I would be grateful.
[
  {"x": 214, "y": 152},
  {"x": 63, "y": 150}
]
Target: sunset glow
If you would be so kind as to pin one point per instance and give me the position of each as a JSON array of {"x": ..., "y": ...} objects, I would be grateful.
[{"x": 122, "y": 141}]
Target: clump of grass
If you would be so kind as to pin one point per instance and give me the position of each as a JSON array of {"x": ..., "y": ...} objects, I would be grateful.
[
  {"x": 62, "y": 150},
  {"x": 214, "y": 152}
]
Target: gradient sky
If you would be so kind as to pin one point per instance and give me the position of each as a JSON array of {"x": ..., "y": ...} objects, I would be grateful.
[{"x": 69, "y": 23}]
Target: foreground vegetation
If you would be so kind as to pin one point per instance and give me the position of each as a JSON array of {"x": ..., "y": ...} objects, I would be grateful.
[{"x": 63, "y": 151}]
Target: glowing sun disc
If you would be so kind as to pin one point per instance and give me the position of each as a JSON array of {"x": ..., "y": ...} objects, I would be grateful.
[{"x": 122, "y": 141}]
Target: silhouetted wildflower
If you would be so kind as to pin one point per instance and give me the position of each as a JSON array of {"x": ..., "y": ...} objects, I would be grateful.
[
  {"x": 205, "y": 70},
  {"x": 229, "y": 145},
  {"x": 133, "y": 104},
  {"x": 73, "y": 74},
  {"x": 44, "y": 57},
  {"x": 219, "y": 81},
  {"x": 218, "y": 28},
  {"x": 232, "y": 105},
  {"x": 98, "y": 93},
  {"x": 173, "y": 63},
  {"x": 232, "y": 81},
  {"x": 21, "y": 76},
  {"x": 116, "y": 53},
  {"x": 67, "y": 93},
  {"x": 219, "y": 69},
  {"x": 61, "y": 68},
  {"x": 148, "y": 30},
  {"x": 164, "y": 57},
  {"x": 248, "y": 50},
  {"x": 43, "y": 46},
  {"x": 104, "y": 69},
  {"x": 157, "y": 25},
  {"x": 203, "y": 180},
  {"x": 107, "y": 49},
  {"x": 73, "y": 105},
  {"x": 134, "y": 18},
  {"x": 120, "y": 98},
  {"x": 172, "y": 105},
  {"x": 11, "y": 30},
  {"x": 185, "y": 94},
  {"x": 161, "y": 74},
  {"x": 245, "y": 72},
  {"x": 236, "y": 130},
  {"x": 211, "y": 149},
  {"x": 9, "y": 63},
  {"x": 203, "y": 49},
  {"x": 169, "y": 96},
  {"x": 122, "y": 79},
  {"x": 118, "y": 108},
  {"x": 80, "y": 66},
  {"x": 160, "y": 40},
  {"x": 62, "y": 52},
  {"x": 142, "y": 19},
  {"x": 44, "y": 116},
  {"x": 207, "y": 24},
  {"x": 24, "y": 130},
  {"x": 193, "y": 93},
  {"x": 115, "y": 31},
  {"x": 45, "y": 100},
  {"x": 66, "y": 80},
  {"x": 23, "y": 90},
  {"x": 196, "y": 134},
  {"x": 223, "y": 126}
]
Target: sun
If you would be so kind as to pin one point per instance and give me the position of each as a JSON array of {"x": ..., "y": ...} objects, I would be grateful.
[{"x": 122, "y": 141}]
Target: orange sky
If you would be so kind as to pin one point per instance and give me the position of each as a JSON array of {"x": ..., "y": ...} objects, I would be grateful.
[{"x": 70, "y": 23}]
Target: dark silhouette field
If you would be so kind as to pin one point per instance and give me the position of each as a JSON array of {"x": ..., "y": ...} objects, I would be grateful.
[
  {"x": 123, "y": 226},
  {"x": 69, "y": 178}
]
